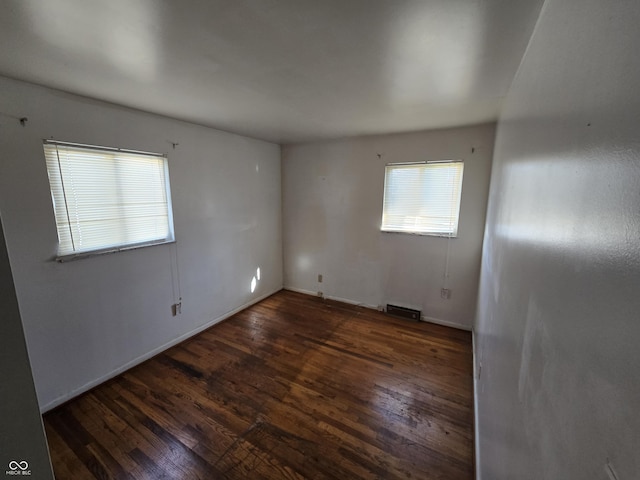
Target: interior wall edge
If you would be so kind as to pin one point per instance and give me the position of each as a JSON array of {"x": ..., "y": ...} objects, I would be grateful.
[{"x": 476, "y": 430}]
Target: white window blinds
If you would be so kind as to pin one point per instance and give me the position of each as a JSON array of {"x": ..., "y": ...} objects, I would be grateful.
[
  {"x": 423, "y": 198},
  {"x": 107, "y": 199}
]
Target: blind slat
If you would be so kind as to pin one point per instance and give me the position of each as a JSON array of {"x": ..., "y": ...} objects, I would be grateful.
[
  {"x": 107, "y": 198},
  {"x": 422, "y": 198}
]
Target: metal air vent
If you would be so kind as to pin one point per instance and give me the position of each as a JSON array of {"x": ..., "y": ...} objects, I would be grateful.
[{"x": 403, "y": 312}]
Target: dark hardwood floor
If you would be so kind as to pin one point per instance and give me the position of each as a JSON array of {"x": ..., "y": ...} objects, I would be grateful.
[{"x": 293, "y": 387}]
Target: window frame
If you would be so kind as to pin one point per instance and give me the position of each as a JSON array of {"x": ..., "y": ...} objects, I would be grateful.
[
  {"x": 456, "y": 201},
  {"x": 73, "y": 255}
]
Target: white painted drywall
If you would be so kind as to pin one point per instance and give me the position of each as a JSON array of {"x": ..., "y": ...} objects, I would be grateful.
[
  {"x": 332, "y": 208},
  {"x": 87, "y": 319},
  {"x": 22, "y": 437},
  {"x": 559, "y": 311}
]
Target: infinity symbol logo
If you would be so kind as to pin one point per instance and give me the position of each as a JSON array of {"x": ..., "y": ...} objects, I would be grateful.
[{"x": 23, "y": 465}]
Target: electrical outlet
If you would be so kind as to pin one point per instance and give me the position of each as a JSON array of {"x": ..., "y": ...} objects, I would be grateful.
[
  {"x": 321, "y": 295},
  {"x": 319, "y": 278},
  {"x": 176, "y": 309},
  {"x": 445, "y": 293}
]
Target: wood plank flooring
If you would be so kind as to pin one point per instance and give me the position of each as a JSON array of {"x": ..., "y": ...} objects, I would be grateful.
[{"x": 294, "y": 387}]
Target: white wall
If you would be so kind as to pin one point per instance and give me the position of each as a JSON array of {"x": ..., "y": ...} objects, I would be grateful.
[
  {"x": 22, "y": 437},
  {"x": 559, "y": 311},
  {"x": 332, "y": 208},
  {"x": 227, "y": 214}
]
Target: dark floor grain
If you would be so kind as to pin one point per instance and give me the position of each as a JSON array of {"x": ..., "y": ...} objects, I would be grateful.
[{"x": 293, "y": 387}]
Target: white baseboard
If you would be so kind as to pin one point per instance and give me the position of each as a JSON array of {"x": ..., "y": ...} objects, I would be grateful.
[
  {"x": 301, "y": 290},
  {"x": 88, "y": 386},
  {"x": 437, "y": 321},
  {"x": 446, "y": 323},
  {"x": 351, "y": 302},
  {"x": 330, "y": 297}
]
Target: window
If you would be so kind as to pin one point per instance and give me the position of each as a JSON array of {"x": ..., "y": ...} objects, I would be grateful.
[
  {"x": 108, "y": 199},
  {"x": 422, "y": 198}
]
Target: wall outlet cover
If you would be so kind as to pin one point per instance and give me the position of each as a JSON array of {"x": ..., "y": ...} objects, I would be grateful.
[{"x": 445, "y": 293}]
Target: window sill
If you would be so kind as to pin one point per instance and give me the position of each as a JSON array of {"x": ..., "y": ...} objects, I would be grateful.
[
  {"x": 421, "y": 234},
  {"x": 94, "y": 253}
]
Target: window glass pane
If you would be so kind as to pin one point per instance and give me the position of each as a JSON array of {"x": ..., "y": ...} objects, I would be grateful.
[
  {"x": 107, "y": 199},
  {"x": 422, "y": 198}
]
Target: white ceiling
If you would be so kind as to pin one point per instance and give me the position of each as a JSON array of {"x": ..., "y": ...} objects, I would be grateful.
[{"x": 280, "y": 70}]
